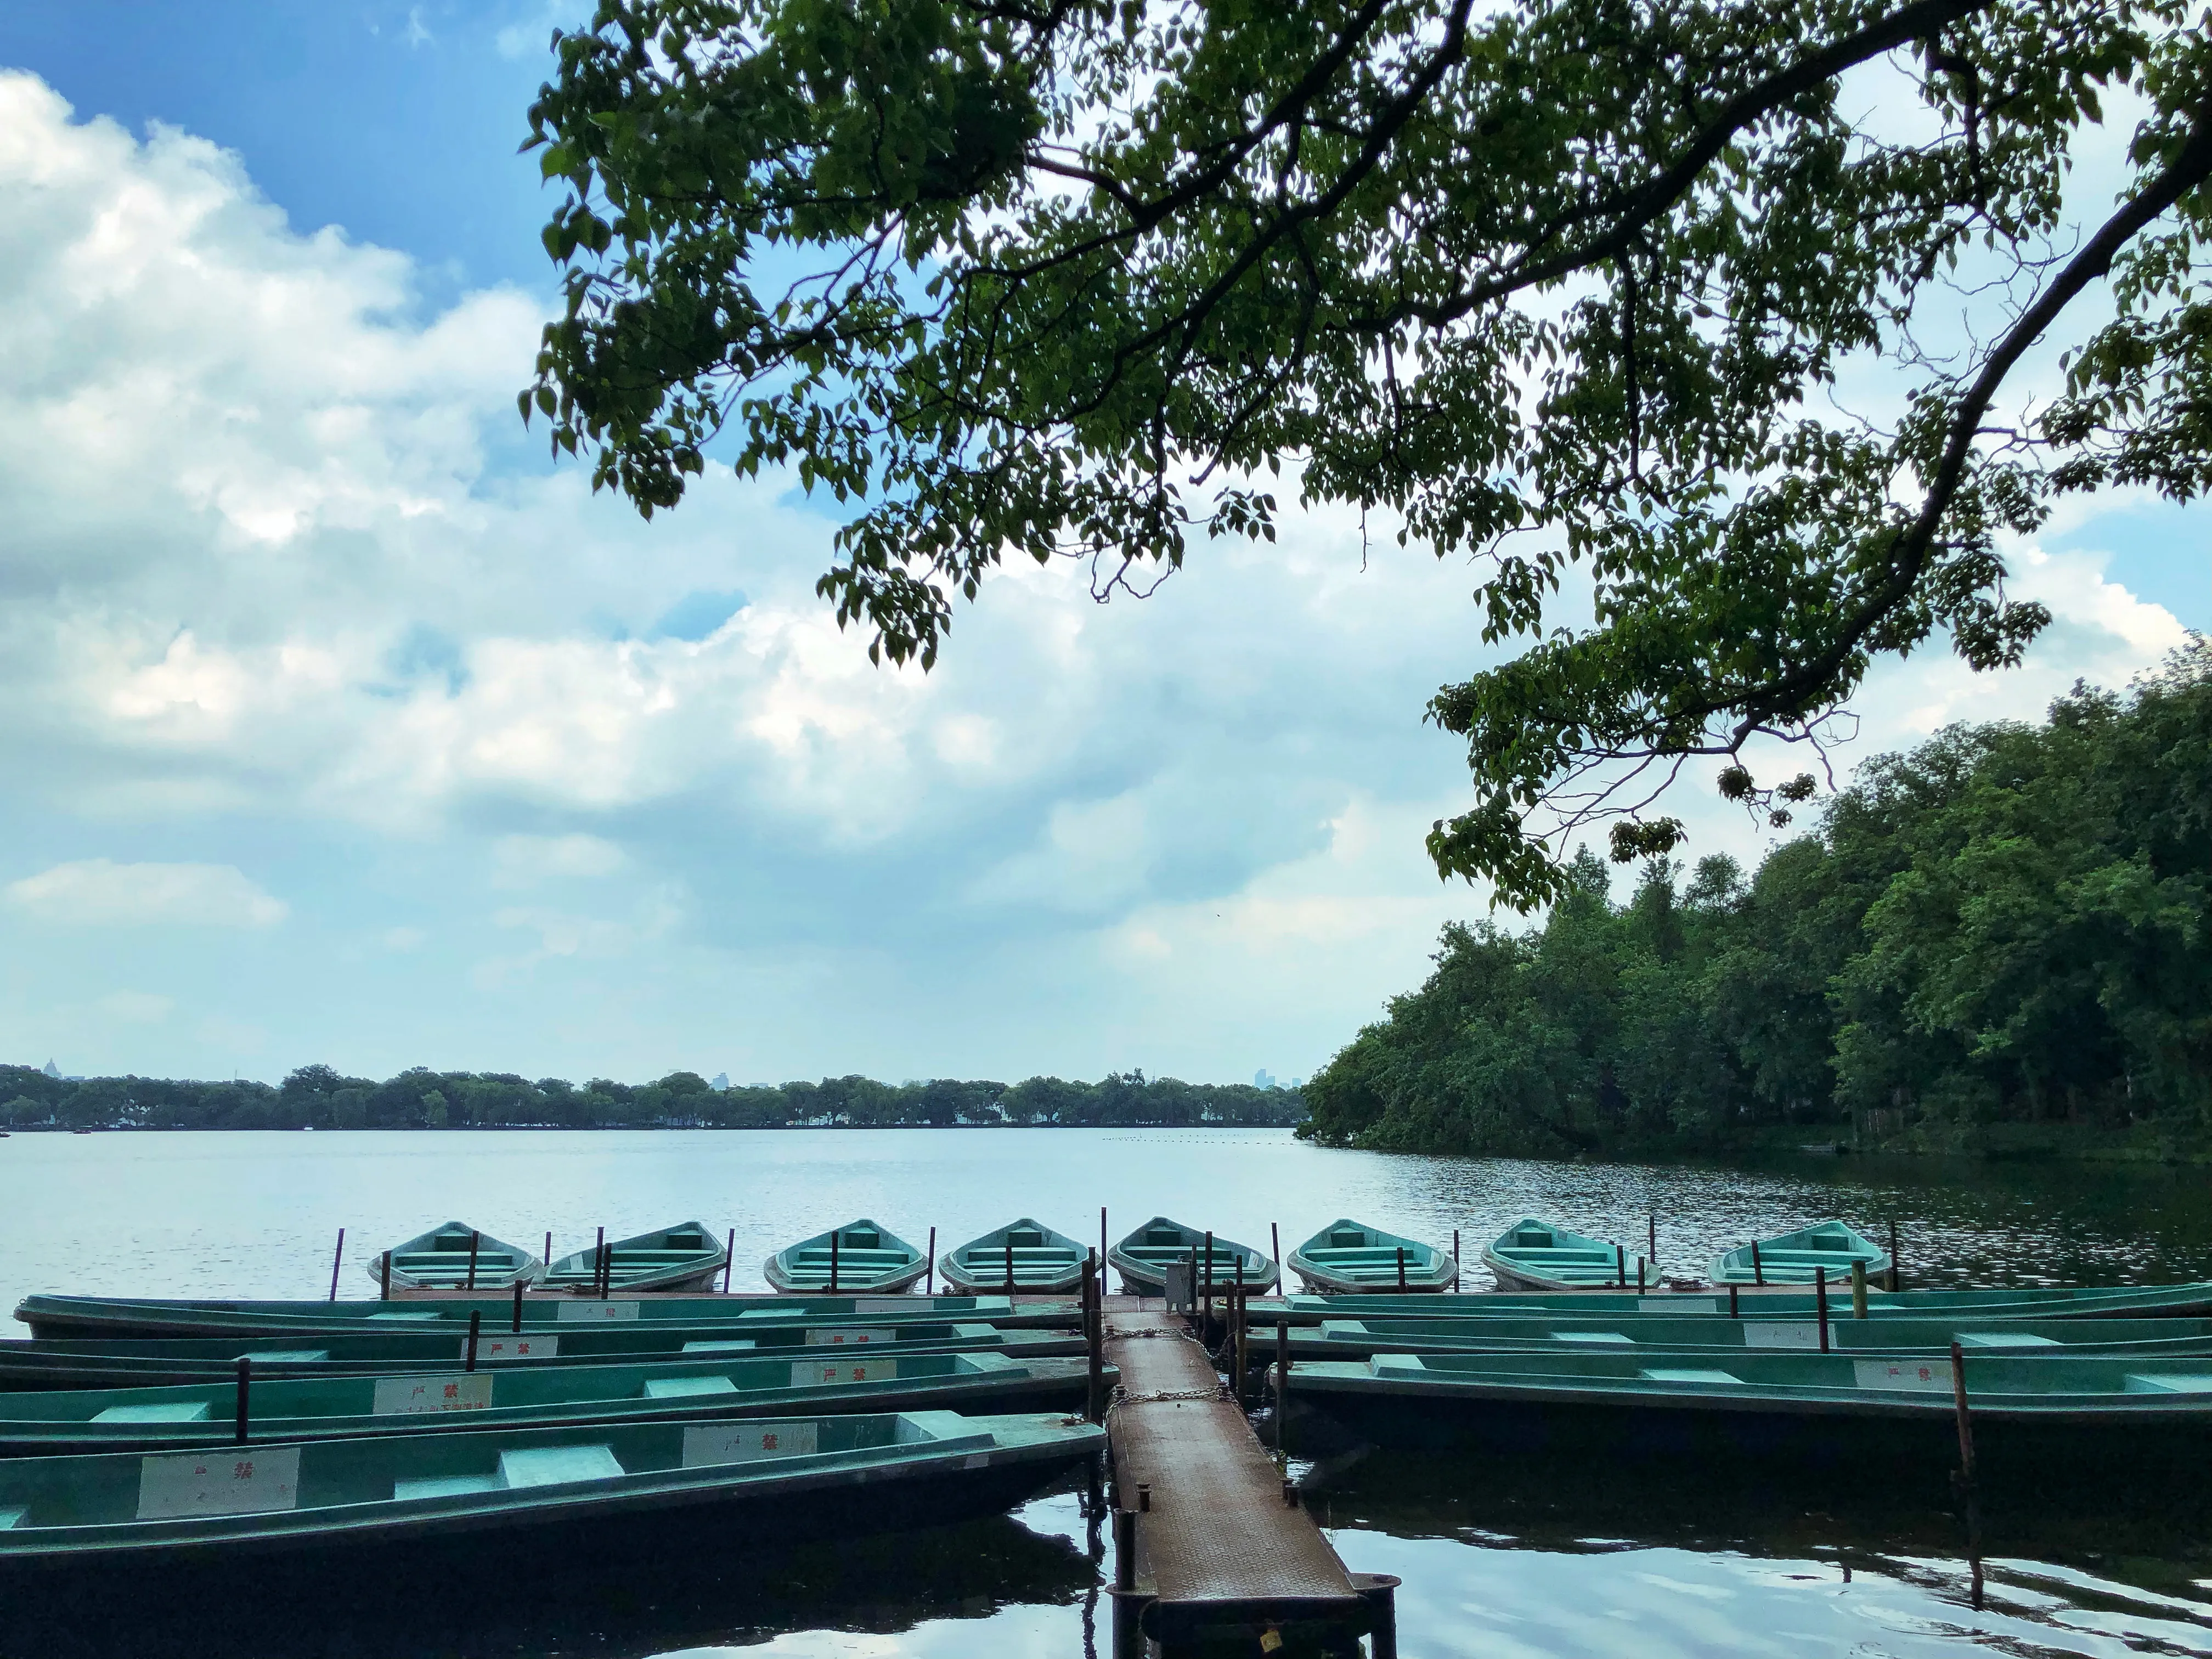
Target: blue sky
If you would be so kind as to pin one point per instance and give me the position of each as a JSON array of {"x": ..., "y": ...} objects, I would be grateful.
[{"x": 343, "y": 726}]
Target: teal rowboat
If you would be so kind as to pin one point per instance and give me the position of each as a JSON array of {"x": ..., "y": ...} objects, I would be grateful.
[
  {"x": 1851, "y": 1411},
  {"x": 765, "y": 1479},
  {"x": 2192, "y": 1300},
  {"x": 1349, "y": 1256},
  {"x": 708, "y": 1386},
  {"x": 1334, "y": 1339},
  {"x": 126, "y": 1364},
  {"x": 454, "y": 1257},
  {"x": 1142, "y": 1259},
  {"x": 1540, "y": 1255},
  {"x": 860, "y": 1256},
  {"x": 1022, "y": 1255},
  {"x": 673, "y": 1260},
  {"x": 84, "y": 1316},
  {"x": 1796, "y": 1258}
]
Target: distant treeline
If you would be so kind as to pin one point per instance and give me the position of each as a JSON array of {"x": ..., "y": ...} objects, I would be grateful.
[
  {"x": 318, "y": 1098},
  {"x": 1999, "y": 941}
]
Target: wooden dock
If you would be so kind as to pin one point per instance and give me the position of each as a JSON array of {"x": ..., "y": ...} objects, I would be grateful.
[{"x": 1214, "y": 1553}]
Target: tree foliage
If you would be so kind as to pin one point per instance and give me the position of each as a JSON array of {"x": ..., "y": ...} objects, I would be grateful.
[
  {"x": 319, "y": 1098},
  {"x": 2006, "y": 926},
  {"x": 1562, "y": 284}
]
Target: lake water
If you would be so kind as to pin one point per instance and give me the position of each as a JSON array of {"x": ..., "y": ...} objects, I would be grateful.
[{"x": 1495, "y": 1563}]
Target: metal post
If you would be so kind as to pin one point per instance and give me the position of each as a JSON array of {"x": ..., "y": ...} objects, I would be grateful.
[
  {"x": 833, "y": 1263},
  {"x": 1240, "y": 1350},
  {"x": 1651, "y": 1242},
  {"x": 1380, "y": 1591},
  {"x": 518, "y": 1307},
  {"x": 548, "y": 1257},
  {"x": 929, "y": 1274},
  {"x": 1640, "y": 1266},
  {"x": 1102, "y": 1243},
  {"x": 245, "y": 1384},
  {"x": 1401, "y": 1270},
  {"x": 1621, "y": 1267},
  {"x": 1893, "y": 1256},
  {"x": 384, "y": 1280},
  {"x": 1282, "y": 1382},
  {"x": 1128, "y": 1640},
  {"x": 1858, "y": 1290},
  {"x": 476, "y": 1330},
  {"x": 1094, "y": 1341},
  {"x": 1206, "y": 1321},
  {"x": 729, "y": 1258},
  {"x": 474, "y": 1240},
  {"x": 1758, "y": 1268},
  {"x": 1010, "y": 1270},
  {"x": 598, "y": 1259},
  {"x": 1965, "y": 1416},
  {"x": 1733, "y": 1312},
  {"x": 1821, "y": 1303},
  {"x": 1275, "y": 1250},
  {"x": 335, "y": 1261}
]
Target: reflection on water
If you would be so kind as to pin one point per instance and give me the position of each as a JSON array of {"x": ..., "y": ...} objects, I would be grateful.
[
  {"x": 1583, "y": 1558},
  {"x": 1003, "y": 1587},
  {"x": 1661, "y": 1559}
]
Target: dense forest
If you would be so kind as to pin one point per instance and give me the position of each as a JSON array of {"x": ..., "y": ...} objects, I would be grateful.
[
  {"x": 318, "y": 1098},
  {"x": 1998, "y": 942}
]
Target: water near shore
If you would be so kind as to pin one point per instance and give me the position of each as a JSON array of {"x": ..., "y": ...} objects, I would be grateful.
[{"x": 1495, "y": 1563}]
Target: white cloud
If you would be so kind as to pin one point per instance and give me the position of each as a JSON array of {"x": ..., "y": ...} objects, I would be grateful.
[
  {"x": 97, "y": 893},
  {"x": 527, "y": 860}
]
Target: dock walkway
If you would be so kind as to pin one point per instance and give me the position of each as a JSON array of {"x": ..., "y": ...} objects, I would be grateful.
[{"x": 1222, "y": 1555}]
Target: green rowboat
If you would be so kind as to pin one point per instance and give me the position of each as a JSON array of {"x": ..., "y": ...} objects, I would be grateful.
[
  {"x": 1845, "y": 1408},
  {"x": 67, "y": 1420},
  {"x": 1142, "y": 1259},
  {"x": 110, "y": 1364},
  {"x": 1618, "y": 1334},
  {"x": 1346, "y": 1257},
  {"x": 2192, "y": 1299},
  {"x": 763, "y": 1479},
  {"x": 1022, "y": 1255},
  {"x": 456, "y": 1257},
  {"x": 860, "y": 1256},
  {"x": 672, "y": 1260},
  {"x": 1540, "y": 1256},
  {"x": 74, "y": 1316},
  {"x": 1796, "y": 1258}
]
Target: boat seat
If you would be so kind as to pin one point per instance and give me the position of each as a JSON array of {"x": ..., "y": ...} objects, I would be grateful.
[
  {"x": 1594, "y": 1339},
  {"x": 165, "y": 1411},
  {"x": 553, "y": 1466},
  {"x": 2004, "y": 1340},
  {"x": 1531, "y": 1239},
  {"x": 444, "y": 1485},
  {"x": 2167, "y": 1383},
  {"x": 287, "y": 1356},
  {"x": 679, "y": 1388},
  {"x": 718, "y": 1347},
  {"x": 1025, "y": 1240},
  {"x": 1686, "y": 1374},
  {"x": 13, "y": 1518}
]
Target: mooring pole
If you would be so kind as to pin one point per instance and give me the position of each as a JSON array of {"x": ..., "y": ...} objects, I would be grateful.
[
  {"x": 1733, "y": 1311},
  {"x": 1758, "y": 1268},
  {"x": 1128, "y": 1638},
  {"x": 1010, "y": 1270},
  {"x": 476, "y": 1330},
  {"x": 729, "y": 1258},
  {"x": 598, "y": 1259},
  {"x": 335, "y": 1260},
  {"x": 1401, "y": 1270},
  {"x": 1094, "y": 1345},
  {"x": 1620, "y": 1266},
  {"x": 833, "y": 1264},
  {"x": 929, "y": 1277},
  {"x": 548, "y": 1257},
  {"x": 1651, "y": 1242},
  {"x": 518, "y": 1307},
  {"x": 1965, "y": 1478},
  {"x": 1275, "y": 1250},
  {"x": 1858, "y": 1290},
  {"x": 1821, "y": 1303},
  {"x": 384, "y": 1280},
  {"x": 1282, "y": 1384},
  {"x": 1102, "y": 1241},
  {"x": 1893, "y": 1256},
  {"x": 244, "y": 1386},
  {"x": 1205, "y": 1320},
  {"x": 475, "y": 1239}
]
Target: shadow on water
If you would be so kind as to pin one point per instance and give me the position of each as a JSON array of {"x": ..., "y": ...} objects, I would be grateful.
[{"x": 611, "y": 1593}]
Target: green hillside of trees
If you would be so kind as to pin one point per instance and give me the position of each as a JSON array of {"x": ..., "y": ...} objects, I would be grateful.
[
  {"x": 316, "y": 1097},
  {"x": 1995, "y": 942}
]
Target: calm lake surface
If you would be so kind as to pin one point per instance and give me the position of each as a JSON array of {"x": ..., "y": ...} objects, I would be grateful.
[{"x": 1576, "y": 1561}]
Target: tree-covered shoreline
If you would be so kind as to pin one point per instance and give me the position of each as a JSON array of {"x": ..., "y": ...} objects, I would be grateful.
[
  {"x": 1999, "y": 941},
  {"x": 318, "y": 1098}
]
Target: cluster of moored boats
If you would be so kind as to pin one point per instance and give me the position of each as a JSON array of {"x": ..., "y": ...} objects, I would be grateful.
[{"x": 845, "y": 1402}]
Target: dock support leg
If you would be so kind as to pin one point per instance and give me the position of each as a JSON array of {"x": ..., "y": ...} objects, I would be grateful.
[
  {"x": 1381, "y": 1591},
  {"x": 1128, "y": 1635}
]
